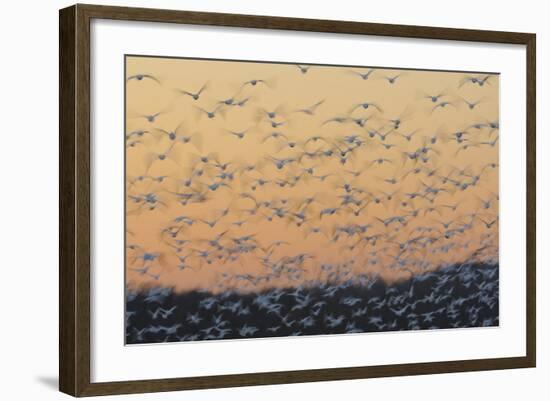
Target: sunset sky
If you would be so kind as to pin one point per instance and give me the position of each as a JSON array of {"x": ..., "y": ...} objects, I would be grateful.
[{"x": 285, "y": 88}]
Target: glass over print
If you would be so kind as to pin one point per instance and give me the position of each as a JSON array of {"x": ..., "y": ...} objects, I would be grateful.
[{"x": 281, "y": 199}]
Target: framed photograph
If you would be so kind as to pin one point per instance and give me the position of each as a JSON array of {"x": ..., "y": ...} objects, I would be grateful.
[{"x": 250, "y": 200}]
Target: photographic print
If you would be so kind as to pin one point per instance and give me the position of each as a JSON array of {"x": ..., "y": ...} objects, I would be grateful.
[{"x": 279, "y": 199}]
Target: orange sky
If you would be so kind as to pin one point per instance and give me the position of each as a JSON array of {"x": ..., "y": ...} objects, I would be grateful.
[{"x": 287, "y": 89}]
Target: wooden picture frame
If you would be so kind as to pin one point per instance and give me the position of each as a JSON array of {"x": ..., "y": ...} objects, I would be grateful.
[{"x": 74, "y": 203}]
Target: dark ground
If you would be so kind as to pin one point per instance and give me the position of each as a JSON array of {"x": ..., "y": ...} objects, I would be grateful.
[{"x": 453, "y": 297}]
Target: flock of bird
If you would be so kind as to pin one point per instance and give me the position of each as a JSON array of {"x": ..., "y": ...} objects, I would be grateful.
[
  {"x": 456, "y": 296},
  {"x": 300, "y": 206}
]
